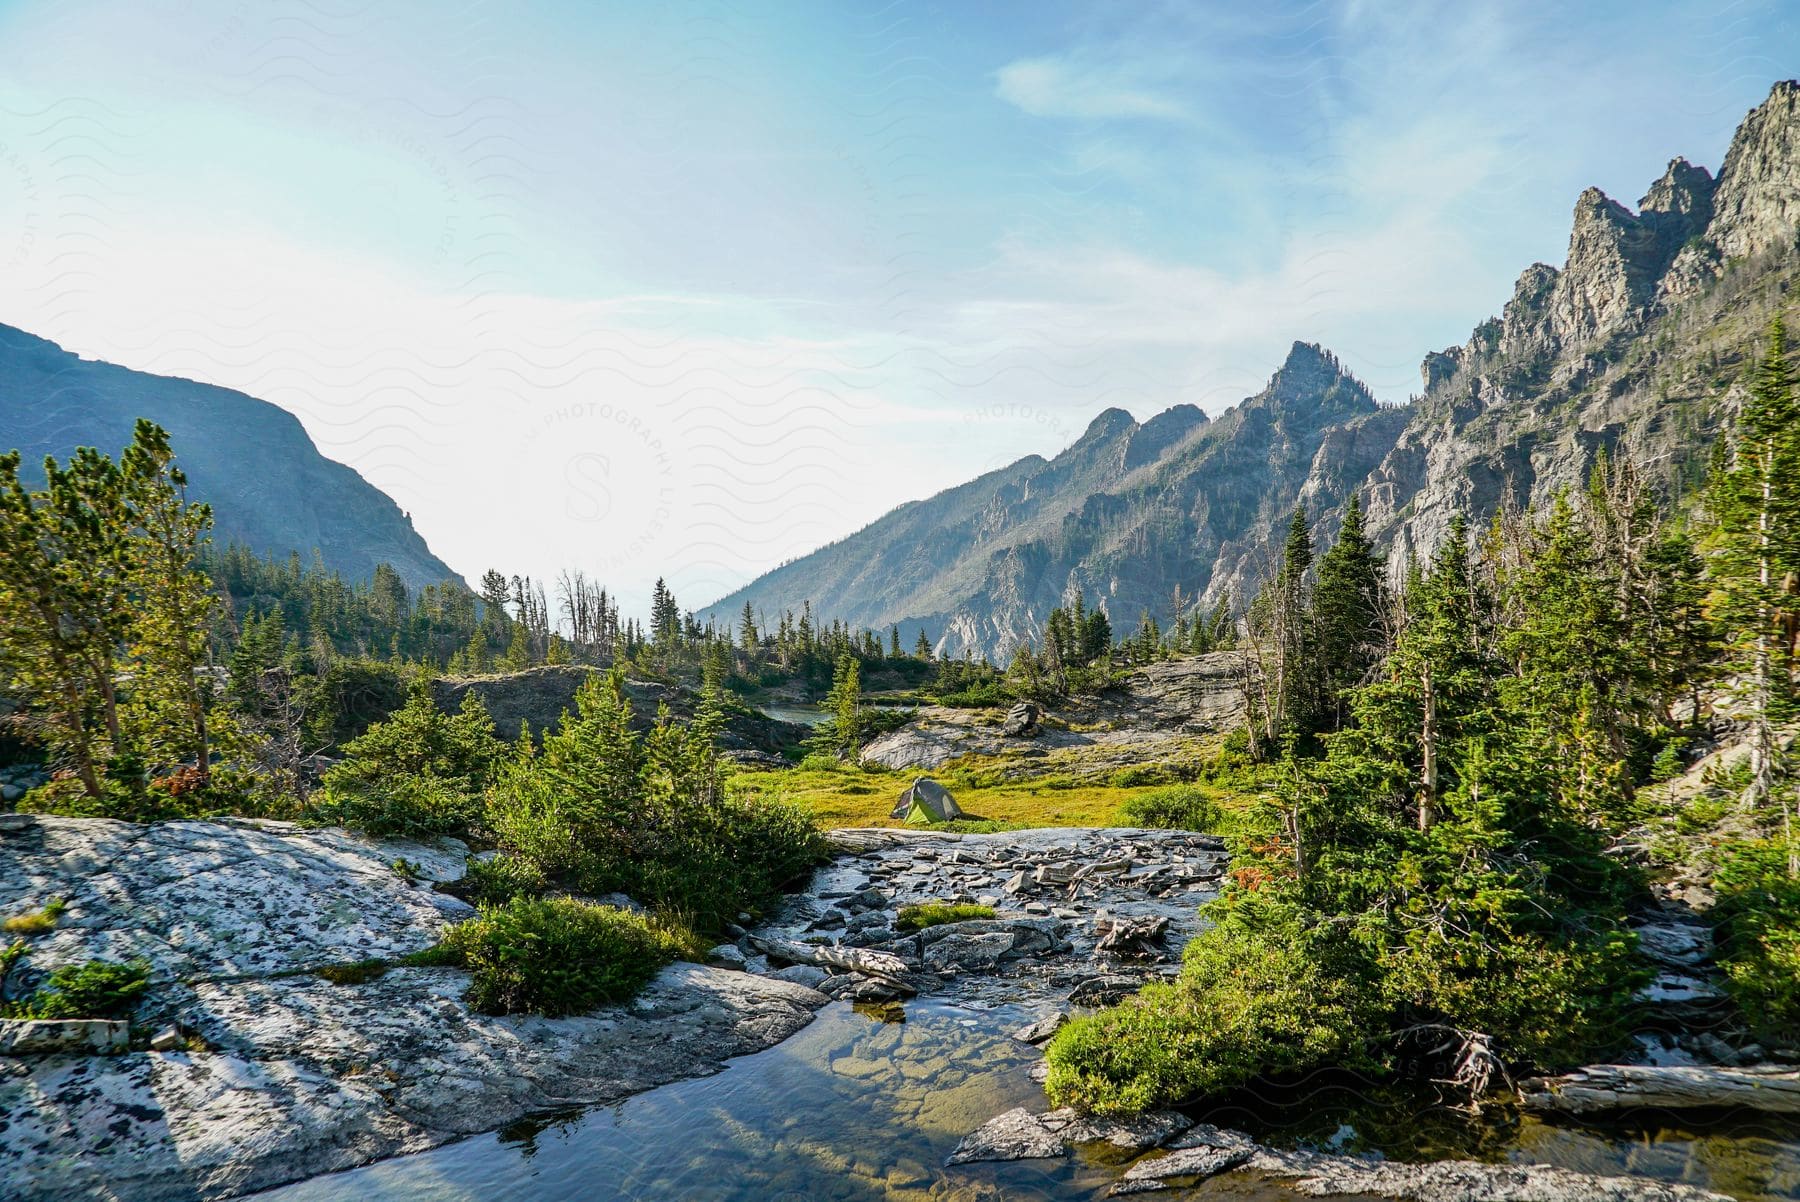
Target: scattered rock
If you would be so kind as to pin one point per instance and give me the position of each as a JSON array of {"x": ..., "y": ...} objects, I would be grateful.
[
  {"x": 726, "y": 955},
  {"x": 1202, "y": 1153},
  {"x": 167, "y": 1040},
  {"x": 808, "y": 975},
  {"x": 1041, "y": 1030},
  {"x": 1123, "y": 935},
  {"x": 1323, "y": 1176},
  {"x": 61, "y": 1037},
  {"x": 1016, "y": 1135},
  {"x": 1603, "y": 1088},
  {"x": 1109, "y": 989},
  {"x": 1138, "y": 1133},
  {"x": 967, "y": 953}
]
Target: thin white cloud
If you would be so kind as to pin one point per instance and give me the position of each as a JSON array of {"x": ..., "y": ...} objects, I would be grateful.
[{"x": 1065, "y": 86}]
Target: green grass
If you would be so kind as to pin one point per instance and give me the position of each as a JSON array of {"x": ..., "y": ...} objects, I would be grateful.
[
  {"x": 842, "y": 795},
  {"x": 38, "y": 922},
  {"x": 931, "y": 914}
]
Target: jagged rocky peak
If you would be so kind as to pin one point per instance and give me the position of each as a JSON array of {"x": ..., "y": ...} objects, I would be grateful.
[
  {"x": 1311, "y": 380},
  {"x": 1441, "y": 366},
  {"x": 1108, "y": 424},
  {"x": 1523, "y": 329},
  {"x": 1685, "y": 192},
  {"x": 1615, "y": 261},
  {"x": 1757, "y": 203},
  {"x": 1754, "y": 204},
  {"x": 1163, "y": 431}
]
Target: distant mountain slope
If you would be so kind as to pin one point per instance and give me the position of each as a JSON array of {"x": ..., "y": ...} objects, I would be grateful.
[
  {"x": 1126, "y": 512},
  {"x": 1637, "y": 341},
  {"x": 269, "y": 486}
]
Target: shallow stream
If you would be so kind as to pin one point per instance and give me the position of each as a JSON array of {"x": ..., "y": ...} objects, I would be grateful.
[{"x": 855, "y": 1108}]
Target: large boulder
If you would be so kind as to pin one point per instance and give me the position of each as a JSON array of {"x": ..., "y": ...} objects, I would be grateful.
[
  {"x": 926, "y": 801},
  {"x": 1021, "y": 720}
]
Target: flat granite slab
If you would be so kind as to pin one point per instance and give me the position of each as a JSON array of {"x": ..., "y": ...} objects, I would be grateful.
[{"x": 300, "y": 1076}]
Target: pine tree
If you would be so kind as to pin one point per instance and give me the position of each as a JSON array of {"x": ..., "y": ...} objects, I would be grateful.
[
  {"x": 173, "y": 599},
  {"x": 845, "y": 703},
  {"x": 64, "y": 602},
  {"x": 1756, "y": 510},
  {"x": 747, "y": 628},
  {"x": 494, "y": 596},
  {"x": 922, "y": 648},
  {"x": 1349, "y": 604}
]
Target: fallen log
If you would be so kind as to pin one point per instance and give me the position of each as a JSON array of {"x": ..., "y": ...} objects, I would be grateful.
[
  {"x": 1600, "y": 1088},
  {"x": 882, "y": 966}
]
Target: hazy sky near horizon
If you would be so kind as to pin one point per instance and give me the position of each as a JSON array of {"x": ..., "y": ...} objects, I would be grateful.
[{"x": 692, "y": 289}]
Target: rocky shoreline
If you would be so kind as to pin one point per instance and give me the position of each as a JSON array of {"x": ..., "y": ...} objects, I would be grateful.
[{"x": 264, "y": 1071}]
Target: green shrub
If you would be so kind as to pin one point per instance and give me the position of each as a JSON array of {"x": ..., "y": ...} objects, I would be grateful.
[
  {"x": 1758, "y": 913},
  {"x": 420, "y": 772},
  {"x": 96, "y": 989},
  {"x": 1140, "y": 774},
  {"x": 498, "y": 879},
  {"x": 931, "y": 914},
  {"x": 349, "y": 697},
  {"x": 1246, "y": 1005},
  {"x": 603, "y": 808},
  {"x": 1177, "y": 807},
  {"x": 556, "y": 955},
  {"x": 1668, "y": 763}
]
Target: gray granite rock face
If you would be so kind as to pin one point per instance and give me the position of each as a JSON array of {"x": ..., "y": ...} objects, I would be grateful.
[
  {"x": 1153, "y": 717},
  {"x": 300, "y": 1076}
]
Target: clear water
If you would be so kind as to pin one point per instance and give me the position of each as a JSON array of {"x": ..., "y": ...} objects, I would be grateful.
[
  {"x": 804, "y": 715},
  {"x": 857, "y": 1108}
]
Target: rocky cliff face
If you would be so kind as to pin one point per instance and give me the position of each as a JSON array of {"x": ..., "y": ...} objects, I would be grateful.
[
  {"x": 1637, "y": 341},
  {"x": 269, "y": 486}
]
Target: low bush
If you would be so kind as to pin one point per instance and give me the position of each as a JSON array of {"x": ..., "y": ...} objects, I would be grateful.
[
  {"x": 556, "y": 955},
  {"x": 96, "y": 989},
  {"x": 1138, "y": 775},
  {"x": 1758, "y": 916},
  {"x": 931, "y": 914},
  {"x": 602, "y": 808},
  {"x": 1246, "y": 1005},
  {"x": 1177, "y": 807},
  {"x": 420, "y": 772},
  {"x": 496, "y": 880}
]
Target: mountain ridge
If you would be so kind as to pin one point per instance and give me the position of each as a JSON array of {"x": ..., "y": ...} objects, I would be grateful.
[
  {"x": 270, "y": 487},
  {"x": 1631, "y": 343}
]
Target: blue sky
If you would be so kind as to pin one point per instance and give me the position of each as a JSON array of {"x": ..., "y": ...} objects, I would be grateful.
[{"x": 689, "y": 290}]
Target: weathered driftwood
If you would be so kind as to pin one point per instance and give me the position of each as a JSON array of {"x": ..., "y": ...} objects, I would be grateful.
[
  {"x": 883, "y": 966},
  {"x": 1600, "y": 1088}
]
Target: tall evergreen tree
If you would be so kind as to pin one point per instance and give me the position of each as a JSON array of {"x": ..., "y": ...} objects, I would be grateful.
[
  {"x": 1349, "y": 607},
  {"x": 173, "y": 600},
  {"x": 1756, "y": 512}
]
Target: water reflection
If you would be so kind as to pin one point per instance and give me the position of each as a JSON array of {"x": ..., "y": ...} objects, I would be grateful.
[{"x": 860, "y": 1107}]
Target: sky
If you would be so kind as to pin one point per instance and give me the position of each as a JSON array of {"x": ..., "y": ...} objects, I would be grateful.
[{"x": 689, "y": 290}]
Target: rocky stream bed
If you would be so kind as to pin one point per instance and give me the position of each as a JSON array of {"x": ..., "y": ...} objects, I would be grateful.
[{"x": 825, "y": 1053}]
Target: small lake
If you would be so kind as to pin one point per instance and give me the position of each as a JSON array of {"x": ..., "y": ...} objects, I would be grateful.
[
  {"x": 856, "y": 1108},
  {"x": 813, "y": 715}
]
